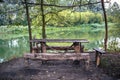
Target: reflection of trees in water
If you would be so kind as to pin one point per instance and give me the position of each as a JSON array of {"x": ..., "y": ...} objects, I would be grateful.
[
  {"x": 114, "y": 31},
  {"x": 18, "y": 46},
  {"x": 14, "y": 47}
]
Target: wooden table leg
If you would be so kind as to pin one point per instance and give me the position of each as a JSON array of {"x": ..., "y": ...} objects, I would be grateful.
[
  {"x": 87, "y": 63},
  {"x": 76, "y": 47},
  {"x": 26, "y": 62},
  {"x": 43, "y": 47}
]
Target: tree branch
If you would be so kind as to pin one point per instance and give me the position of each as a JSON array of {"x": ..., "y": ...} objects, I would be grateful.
[{"x": 61, "y": 5}]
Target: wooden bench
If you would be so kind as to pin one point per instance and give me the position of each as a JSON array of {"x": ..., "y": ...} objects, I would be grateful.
[
  {"x": 98, "y": 53},
  {"x": 64, "y": 48},
  {"x": 55, "y": 56}
]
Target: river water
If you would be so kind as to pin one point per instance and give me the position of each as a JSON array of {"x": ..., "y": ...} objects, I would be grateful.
[{"x": 18, "y": 46}]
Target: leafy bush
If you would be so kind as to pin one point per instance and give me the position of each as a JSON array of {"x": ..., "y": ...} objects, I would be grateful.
[
  {"x": 113, "y": 45},
  {"x": 111, "y": 64}
]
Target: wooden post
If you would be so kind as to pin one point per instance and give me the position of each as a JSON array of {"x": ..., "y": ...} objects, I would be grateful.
[
  {"x": 77, "y": 47},
  {"x": 43, "y": 47},
  {"x": 43, "y": 20},
  {"x": 87, "y": 62},
  {"x": 106, "y": 26},
  {"x": 98, "y": 54},
  {"x": 29, "y": 25},
  {"x": 97, "y": 59}
]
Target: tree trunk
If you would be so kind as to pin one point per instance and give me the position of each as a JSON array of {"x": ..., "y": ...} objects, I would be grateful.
[
  {"x": 106, "y": 26},
  {"x": 43, "y": 21},
  {"x": 29, "y": 25}
]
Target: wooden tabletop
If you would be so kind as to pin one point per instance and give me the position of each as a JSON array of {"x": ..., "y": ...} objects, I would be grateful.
[{"x": 60, "y": 40}]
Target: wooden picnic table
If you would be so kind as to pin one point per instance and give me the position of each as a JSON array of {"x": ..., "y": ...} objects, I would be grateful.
[
  {"x": 77, "y": 55},
  {"x": 76, "y": 44}
]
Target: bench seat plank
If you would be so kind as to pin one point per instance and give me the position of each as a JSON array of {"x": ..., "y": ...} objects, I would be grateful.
[
  {"x": 56, "y": 56},
  {"x": 99, "y": 51}
]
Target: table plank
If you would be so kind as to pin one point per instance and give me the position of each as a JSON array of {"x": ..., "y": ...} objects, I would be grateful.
[{"x": 60, "y": 40}]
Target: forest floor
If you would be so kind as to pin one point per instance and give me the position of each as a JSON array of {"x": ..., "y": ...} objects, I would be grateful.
[{"x": 16, "y": 69}]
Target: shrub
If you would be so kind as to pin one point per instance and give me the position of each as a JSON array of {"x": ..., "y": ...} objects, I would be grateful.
[{"x": 111, "y": 64}]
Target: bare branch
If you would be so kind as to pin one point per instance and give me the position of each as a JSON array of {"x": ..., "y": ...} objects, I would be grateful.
[{"x": 63, "y": 6}]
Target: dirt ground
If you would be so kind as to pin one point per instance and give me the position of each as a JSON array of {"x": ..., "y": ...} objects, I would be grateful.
[{"x": 16, "y": 69}]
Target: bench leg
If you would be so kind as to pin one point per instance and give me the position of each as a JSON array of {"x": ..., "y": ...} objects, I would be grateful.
[
  {"x": 44, "y": 61},
  {"x": 76, "y": 62},
  {"x": 97, "y": 59},
  {"x": 87, "y": 64},
  {"x": 43, "y": 47},
  {"x": 27, "y": 62}
]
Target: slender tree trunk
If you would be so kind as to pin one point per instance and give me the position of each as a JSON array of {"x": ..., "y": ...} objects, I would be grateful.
[
  {"x": 106, "y": 26},
  {"x": 29, "y": 25},
  {"x": 43, "y": 20}
]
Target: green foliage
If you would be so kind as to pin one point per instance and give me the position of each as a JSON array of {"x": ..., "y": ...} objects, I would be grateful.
[
  {"x": 113, "y": 45},
  {"x": 54, "y": 16},
  {"x": 110, "y": 18},
  {"x": 70, "y": 18},
  {"x": 90, "y": 17},
  {"x": 110, "y": 63},
  {"x": 114, "y": 17},
  {"x": 114, "y": 12},
  {"x": 114, "y": 30},
  {"x": 12, "y": 13}
]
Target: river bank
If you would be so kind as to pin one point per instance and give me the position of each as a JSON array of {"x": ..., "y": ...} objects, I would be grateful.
[{"x": 15, "y": 69}]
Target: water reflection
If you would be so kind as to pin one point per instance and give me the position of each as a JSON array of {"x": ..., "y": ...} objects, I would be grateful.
[
  {"x": 17, "y": 47},
  {"x": 13, "y": 43},
  {"x": 13, "y": 48},
  {"x": 1, "y": 60}
]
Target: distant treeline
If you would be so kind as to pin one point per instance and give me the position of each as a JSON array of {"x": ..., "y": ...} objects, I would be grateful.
[
  {"x": 71, "y": 18},
  {"x": 63, "y": 18}
]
